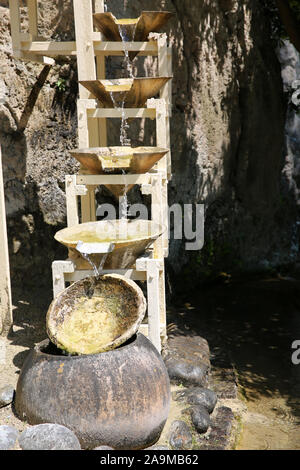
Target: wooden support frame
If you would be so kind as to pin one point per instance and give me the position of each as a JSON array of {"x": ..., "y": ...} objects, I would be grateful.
[
  {"x": 146, "y": 269},
  {"x": 91, "y": 50},
  {"x": 6, "y": 318},
  {"x": 92, "y": 133},
  {"x": 18, "y": 37}
]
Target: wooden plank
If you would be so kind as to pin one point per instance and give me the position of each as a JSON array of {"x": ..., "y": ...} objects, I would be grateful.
[
  {"x": 84, "y": 43},
  {"x": 85, "y": 57},
  {"x": 25, "y": 37},
  {"x": 100, "y": 62},
  {"x": 144, "y": 329},
  {"x": 83, "y": 131},
  {"x": 86, "y": 71},
  {"x": 162, "y": 305},
  {"x": 101, "y": 74},
  {"x": 71, "y": 201},
  {"x": 170, "y": 74},
  {"x": 15, "y": 25},
  {"x": 138, "y": 113},
  {"x": 59, "y": 268},
  {"x": 161, "y": 132},
  {"x": 153, "y": 301},
  {"x": 6, "y": 318},
  {"x": 54, "y": 48},
  {"x": 82, "y": 273},
  {"x": 165, "y": 217},
  {"x": 163, "y": 69},
  {"x": 32, "y": 18},
  {"x": 50, "y": 48},
  {"x": 157, "y": 213},
  {"x": 116, "y": 48},
  {"x": 112, "y": 179},
  {"x": 99, "y": 6}
]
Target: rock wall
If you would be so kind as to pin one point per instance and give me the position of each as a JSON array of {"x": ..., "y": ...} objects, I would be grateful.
[
  {"x": 289, "y": 59},
  {"x": 227, "y": 135}
]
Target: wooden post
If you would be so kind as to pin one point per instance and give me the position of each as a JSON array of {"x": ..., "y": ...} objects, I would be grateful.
[
  {"x": 153, "y": 295},
  {"x": 86, "y": 67},
  {"x": 14, "y": 9},
  {"x": 32, "y": 19},
  {"x": 100, "y": 64},
  {"x": 6, "y": 318}
]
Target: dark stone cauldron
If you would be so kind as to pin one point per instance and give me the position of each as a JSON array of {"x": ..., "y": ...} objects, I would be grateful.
[{"x": 119, "y": 398}]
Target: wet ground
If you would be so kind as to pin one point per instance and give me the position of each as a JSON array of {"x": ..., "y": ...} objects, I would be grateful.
[{"x": 254, "y": 322}]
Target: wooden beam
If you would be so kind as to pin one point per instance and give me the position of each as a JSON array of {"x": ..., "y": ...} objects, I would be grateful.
[
  {"x": 153, "y": 300},
  {"x": 130, "y": 273},
  {"x": 99, "y": 6},
  {"x": 113, "y": 179},
  {"x": 118, "y": 47},
  {"x": 67, "y": 48},
  {"x": 51, "y": 48},
  {"x": 101, "y": 74},
  {"x": 14, "y": 9},
  {"x": 86, "y": 66},
  {"x": 117, "y": 113},
  {"x": 32, "y": 18},
  {"x": 6, "y": 318}
]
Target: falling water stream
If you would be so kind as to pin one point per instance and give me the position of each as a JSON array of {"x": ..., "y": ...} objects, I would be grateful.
[
  {"x": 123, "y": 200},
  {"x": 97, "y": 270},
  {"x": 125, "y": 39}
]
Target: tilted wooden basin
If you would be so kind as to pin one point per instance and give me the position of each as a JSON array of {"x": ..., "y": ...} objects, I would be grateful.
[
  {"x": 94, "y": 315},
  {"x": 119, "y": 398},
  {"x": 130, "y": 239},
  {"x": 117, "y": 160},
  {"x": 133, "y": 92},
  {"x": 136, "y": 29}
]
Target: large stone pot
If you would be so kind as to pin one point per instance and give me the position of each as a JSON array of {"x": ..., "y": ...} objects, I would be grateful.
[{"x": 118, "y": 398}]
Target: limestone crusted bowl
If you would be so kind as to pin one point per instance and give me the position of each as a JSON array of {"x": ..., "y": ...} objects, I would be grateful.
[
  {"x": 114, "y": 160},
  {"x": 119, "y": 398},
  {"x": 96, "y": 314},
  {"x": 130, "y": 92},
  {"x": 118, "y": 160},
  {"x": 130, "y": 239},
  {"x": 135, "y": 29}
]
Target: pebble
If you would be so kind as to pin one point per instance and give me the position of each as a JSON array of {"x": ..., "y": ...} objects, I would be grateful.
[
  {"x": 8, "y": 437},
  {"x": 199, "y": 396},
  {"x": 200, "y": 418},
  {"x": 187, "y": 374},
  {"x": 180, "y": 436},
  {"x": 6, "y": 395},
  {"x": 48, "y": 437}
]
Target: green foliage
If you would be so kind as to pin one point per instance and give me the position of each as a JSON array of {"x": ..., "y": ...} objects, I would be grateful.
[{"x": 61, "y": 84}]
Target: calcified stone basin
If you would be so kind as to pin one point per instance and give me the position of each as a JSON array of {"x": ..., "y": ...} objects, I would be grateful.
[
  {"x": 118, "y": 398},
  {"x": 94, "y": 315},
  {"x": 117, "y": 160},
  {"x": 130, "y": 239},
  {"x": 136, "y": 29},
  {"x": 133, "y": 92}
]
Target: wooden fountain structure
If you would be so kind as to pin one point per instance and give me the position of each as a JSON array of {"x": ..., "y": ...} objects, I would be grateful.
[{"x": 91, "y": 49}]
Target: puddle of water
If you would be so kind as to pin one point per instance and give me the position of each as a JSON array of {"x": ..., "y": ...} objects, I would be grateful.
[{"x": 269, "y": 424}]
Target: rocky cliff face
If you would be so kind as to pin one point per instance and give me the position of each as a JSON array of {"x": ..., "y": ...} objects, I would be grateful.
[{"x": 227, "y": 138}]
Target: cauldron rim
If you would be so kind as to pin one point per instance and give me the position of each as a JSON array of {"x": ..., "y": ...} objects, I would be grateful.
[{"x": 137, "y": 337}]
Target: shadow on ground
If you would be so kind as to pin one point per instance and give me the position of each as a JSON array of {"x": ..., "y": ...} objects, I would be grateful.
[
  {"x": 253, "y": 322},
  {"x": 29, "y": 327}
]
